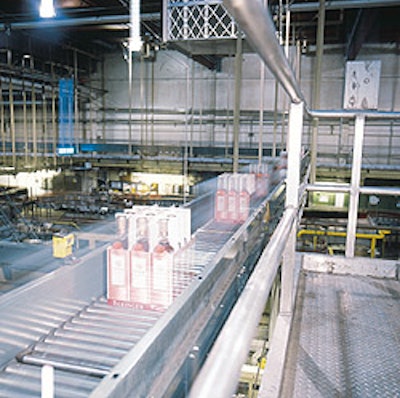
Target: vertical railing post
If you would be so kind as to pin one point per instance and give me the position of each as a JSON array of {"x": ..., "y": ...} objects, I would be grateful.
[
  {"x": 355, "y": 186},
  {"x": 292, "y": 201},
  {"x": 236, "y": 110},
  {"x": 12, "y": 124},
  {"x": 47, "y": 382}
]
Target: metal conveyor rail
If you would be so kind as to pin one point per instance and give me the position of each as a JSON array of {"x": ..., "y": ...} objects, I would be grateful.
[{"x": 89, "y": 341}]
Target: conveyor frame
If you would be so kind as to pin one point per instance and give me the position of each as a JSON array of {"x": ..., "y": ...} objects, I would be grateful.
[
  {"x": 151, "y": 369},
  {"x": 166, "y": 359}
]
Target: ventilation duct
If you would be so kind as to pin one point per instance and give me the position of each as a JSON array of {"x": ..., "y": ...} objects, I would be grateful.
[{"x": 255, "y": 21}]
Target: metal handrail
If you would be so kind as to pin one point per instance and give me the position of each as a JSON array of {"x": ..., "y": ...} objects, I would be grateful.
[{"x": 244, "y": 318}]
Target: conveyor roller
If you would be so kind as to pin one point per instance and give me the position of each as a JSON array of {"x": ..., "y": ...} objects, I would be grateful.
[{"x": 87, "y": 341}]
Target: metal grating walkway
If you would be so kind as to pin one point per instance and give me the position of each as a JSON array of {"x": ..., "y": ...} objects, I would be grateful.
[{"x": 345, "y": 341}]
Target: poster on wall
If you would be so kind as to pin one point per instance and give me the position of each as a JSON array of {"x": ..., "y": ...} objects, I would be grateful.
[{"x": 362, "y": 85}]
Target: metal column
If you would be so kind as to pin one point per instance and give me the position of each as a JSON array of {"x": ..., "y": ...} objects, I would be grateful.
[
  {"x": 355, "y": 186},
  {"x": 2, "y": 124},
  {"x": 25, "y": 122},
  {"x": 130, "y": 93},
  {"x": 34, "y": 125},
  {"x": 261, "y": 114},
  {"x": 236, "y": 111},
  {"x": 317, "y": 88},
  {"x": 292, "y": 201},
  {"x": 53, "y": 116},
  {"x": 75, "y": 136},
  {"x": 44, "y": 103},
  {"x": 12, "y": 123}
]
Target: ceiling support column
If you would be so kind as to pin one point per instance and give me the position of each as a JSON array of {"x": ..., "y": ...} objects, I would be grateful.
[
  {"x": 355, "y": 186},
  {"x": 317, "y": 88},
  {"x": 236, "y": 110}
]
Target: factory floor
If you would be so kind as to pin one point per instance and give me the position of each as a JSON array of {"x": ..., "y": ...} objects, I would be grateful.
[
  {"x": 23, "y": 262},
  {"x": 345, "y": 339}
]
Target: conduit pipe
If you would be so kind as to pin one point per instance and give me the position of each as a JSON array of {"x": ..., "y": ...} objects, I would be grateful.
[
  {"x": 12, "y": 124},
  {"x": 83, "y": 21},
  {"x": 2, "y": 123},
  {"x": 345, "y": 188},
  {"x": 256, "y": 22},
  {"x": 53, "y": 117},
  {"x": 34, "y": 120},
  {"x": 135, "y": 41},
  {"x": 25, "y": 121},
  {"x": 351, "y": 114}
]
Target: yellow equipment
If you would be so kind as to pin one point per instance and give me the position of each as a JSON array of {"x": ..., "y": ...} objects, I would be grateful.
[
  {"x": 62, "y": 245},
  {"x": 373, "y": 237}
]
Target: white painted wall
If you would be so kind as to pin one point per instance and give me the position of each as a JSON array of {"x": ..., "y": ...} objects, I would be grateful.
[
  {"x": 181, "y": 85},
  {"x": 184, "y": 91}
]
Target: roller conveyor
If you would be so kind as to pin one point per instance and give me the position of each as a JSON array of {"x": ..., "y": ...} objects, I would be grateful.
[
  {"x": 93, "y": 341},
  {"x": 86, "y": 340},
  {"x": 21, "y": 380}
]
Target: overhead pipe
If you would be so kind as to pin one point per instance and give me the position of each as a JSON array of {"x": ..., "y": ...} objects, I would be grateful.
[
  {"x": 351, "y": 114},
  {"x": 135, "y": 40},
  {"x": 256, "y": 22},
  {"x": 70, "y": 22}
]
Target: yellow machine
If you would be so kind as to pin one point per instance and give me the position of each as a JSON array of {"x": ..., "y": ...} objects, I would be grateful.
[{"x": 62, "y": 245}]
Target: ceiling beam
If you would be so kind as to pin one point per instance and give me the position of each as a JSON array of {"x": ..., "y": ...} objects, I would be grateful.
[
  {"x": 365, "y": 20},
  {"x": 71, "y": 22}
]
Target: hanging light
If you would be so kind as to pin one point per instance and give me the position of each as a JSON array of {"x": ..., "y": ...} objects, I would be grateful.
[{"x": 46, "y": 9}]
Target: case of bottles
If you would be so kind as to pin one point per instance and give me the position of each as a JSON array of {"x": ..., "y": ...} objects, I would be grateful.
[
  {"x": 233, "y": 196},
  {"x": 141, "y": 271}
]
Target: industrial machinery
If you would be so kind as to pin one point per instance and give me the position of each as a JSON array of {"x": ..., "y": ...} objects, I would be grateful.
[{"x": 98, "y": 350}]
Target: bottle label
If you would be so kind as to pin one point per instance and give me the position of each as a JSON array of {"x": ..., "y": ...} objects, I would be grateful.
[
  {"x": 139, "y": 271},
  {"x": 118, "y": 272},
  {"x": 162, "y": 272},
  {"x": 232, "y": 202},
  {"x": 220, "y": 202}
]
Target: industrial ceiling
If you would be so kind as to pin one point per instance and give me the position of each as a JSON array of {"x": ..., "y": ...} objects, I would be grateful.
[{"x": 95, "y": 27}]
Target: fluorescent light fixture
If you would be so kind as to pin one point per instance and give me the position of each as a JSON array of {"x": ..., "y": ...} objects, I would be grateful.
[{"x": 46, "y": 9}]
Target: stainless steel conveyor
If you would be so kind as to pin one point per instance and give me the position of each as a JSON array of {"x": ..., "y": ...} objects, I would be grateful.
[{"x": 98, "y": 350}]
